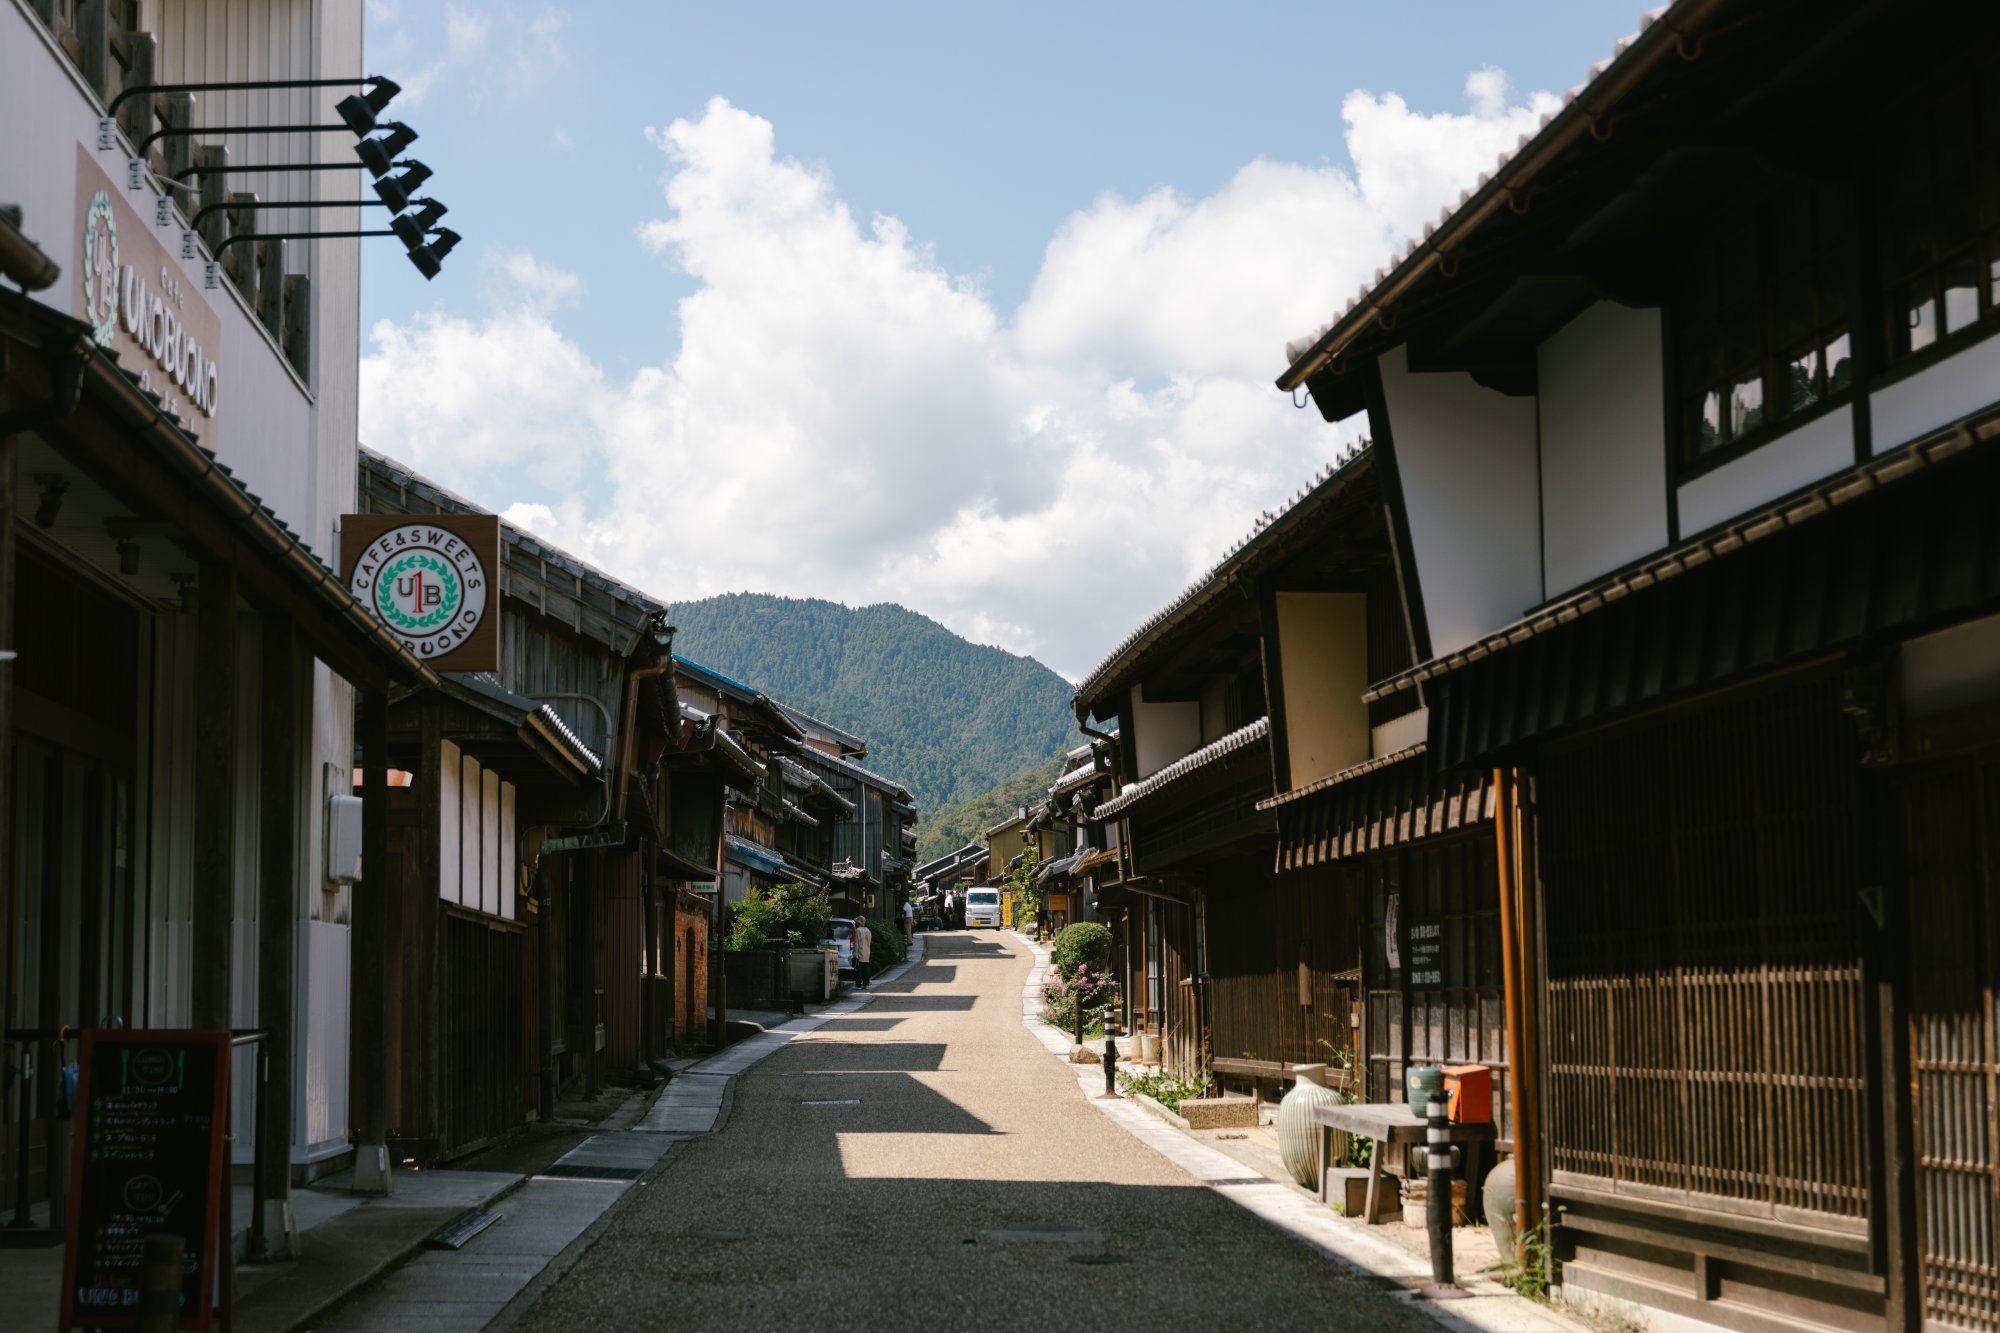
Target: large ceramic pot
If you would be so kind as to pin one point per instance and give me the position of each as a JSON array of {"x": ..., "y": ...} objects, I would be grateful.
[
  {"x": 1420, "y": 1082},
  {"x": 1298, "y": 1136},
  {"x": 1499, "y": 1197}
]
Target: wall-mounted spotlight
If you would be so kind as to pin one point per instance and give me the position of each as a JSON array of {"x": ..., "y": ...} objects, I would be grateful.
[
  {"x": 359, "y": 110},
  {"x": 411, "y": 227},
  {"x": 190, "y": 593},
  {"x": 54, "y": 485},
  {"x": 395, "y": 191},
  {"x": 429, "y": 258},
  {"x": 378, "y": 155}
]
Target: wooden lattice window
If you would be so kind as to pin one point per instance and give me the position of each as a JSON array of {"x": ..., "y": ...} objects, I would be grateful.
[{"x": 1705, "y": 1021}]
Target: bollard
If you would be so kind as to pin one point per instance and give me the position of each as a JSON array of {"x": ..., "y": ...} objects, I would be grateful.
[
  {"x": 160, "y": 1284},
  {"x": 1079, "y": 1020},
  {"x": 1438, "y": 1139},
  {"x": 1110, "y": 1065}
]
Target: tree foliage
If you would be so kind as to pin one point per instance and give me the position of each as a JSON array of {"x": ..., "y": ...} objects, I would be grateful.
[
  {"x": 944, "y": 717},
  {"x": 950, "y": 827}
]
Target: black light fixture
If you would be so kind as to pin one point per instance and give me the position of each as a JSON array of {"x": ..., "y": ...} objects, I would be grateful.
[
  {"x": 395, "y": 191},
  {"x": 359, "y": 110},
  {"x": 128, "y": 557},
  {"x": 429, "y": 258},
  {"x": 190, "y": 592},
  {"x": 54, "y": 485},
  {"x": 411, "y": 227},
  {"x": 378, "y": 155}
]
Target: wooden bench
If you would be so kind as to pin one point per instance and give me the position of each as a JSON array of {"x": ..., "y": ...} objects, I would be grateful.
[
  {"x": 1391, "y": 1124},
  {"x": 1269, "y": 1071}
]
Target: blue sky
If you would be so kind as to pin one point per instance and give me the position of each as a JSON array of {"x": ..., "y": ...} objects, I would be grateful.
[{"x": 997, "y": 139}]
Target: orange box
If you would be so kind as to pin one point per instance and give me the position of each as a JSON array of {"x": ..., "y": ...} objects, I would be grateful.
[{"x": 1468, "y": 1094}]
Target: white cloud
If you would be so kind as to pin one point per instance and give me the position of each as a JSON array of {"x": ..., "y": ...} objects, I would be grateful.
[{"x": 846, "y": 419}]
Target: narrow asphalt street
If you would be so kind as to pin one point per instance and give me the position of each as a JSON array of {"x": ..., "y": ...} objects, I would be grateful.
[{"x": 925, "y": 1163}]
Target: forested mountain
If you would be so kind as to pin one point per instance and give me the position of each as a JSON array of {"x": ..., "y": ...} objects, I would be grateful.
[
  {"x": 950, "y": 827},
  {"x": 946, "y": 718}
]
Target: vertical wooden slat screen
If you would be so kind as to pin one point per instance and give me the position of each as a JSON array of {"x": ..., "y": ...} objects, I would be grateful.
[
  {"x": 1705, "y": 1034},
  {"x": 481, "y": 1038},
  {"x": 1953, "y": 820}
]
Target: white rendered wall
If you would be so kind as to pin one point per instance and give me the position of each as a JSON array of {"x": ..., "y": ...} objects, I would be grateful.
[
  {"x": 1466, "y": 456},
  {"x": 1604, "y": 444},
  {"x": 1323, "y": 656},
  {"x": 1162, "y": 733},
  {"x": 1820, "y": 448},
  {"x": 1935, "y": 396}
]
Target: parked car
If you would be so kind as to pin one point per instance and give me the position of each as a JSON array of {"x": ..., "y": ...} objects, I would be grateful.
[
  {"x": 982, "y": 908},
  {"x": 840, "y": 935}
]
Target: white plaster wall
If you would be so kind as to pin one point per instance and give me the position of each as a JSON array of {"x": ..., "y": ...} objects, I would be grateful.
[
  {"x": 1162, "y": 733},
  {"x": 1935, "y": 396},
  {"x": 295, "y": 450},
  {"x": 1604, "y": 444},
  {"x": 1820, "y": 448},
  {"x": 1323, "y": 651},
  {"x": 1466, "y": 456}
]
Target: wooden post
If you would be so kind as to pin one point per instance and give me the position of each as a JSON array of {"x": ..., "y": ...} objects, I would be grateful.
[
  {"x": 367, "y": 1017},
  {"x": 241, "y": 262},
  {"x": 297, "y": 335},
  {"x": 421, "y": 1020},
  {"x": 93, "y": 34},
  {"x": 214, "y": 797},
  {"x": 1529, "y": 1171},
  {"x": 214, "y": 192},
  {"x": 271, "y": 286},
  {"x": 545, "y": 996},
  {"x": 15, "y": 1100},
  {"x": 278, "y": 910},
  {"x": 136, "y": 116},
  {"x": 179, "y": 148},
  {"x": 1511, "y": 980}
]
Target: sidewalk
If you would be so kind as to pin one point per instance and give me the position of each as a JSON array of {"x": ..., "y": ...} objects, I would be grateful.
[
  {"x": 553, "y": 1187},
  {"x": 1491, "y": 1307}
]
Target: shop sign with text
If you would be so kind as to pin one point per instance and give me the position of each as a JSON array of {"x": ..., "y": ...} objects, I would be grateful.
[
  {"x": 430, "y": 580},
  {"x": 136, "y": 304}
]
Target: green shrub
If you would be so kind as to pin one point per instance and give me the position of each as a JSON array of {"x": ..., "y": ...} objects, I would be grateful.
[
  {"x": 1166, "y": 1087},
  {"x": 1085, "y": 943},
  {"x": 794, "y": 914},
  {"x": 887, "y": 948}
]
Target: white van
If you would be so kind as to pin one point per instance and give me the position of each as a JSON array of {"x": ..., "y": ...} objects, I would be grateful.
[{"x": 982, "y": 908}]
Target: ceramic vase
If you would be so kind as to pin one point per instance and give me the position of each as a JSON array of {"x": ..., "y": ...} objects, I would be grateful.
[
  {"x": 1298, "y": 1136},
  {"x": 1498, "y": 1195}
]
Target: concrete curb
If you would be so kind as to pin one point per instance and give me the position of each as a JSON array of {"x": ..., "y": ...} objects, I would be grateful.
[{"x": 1491, "y": 1308}]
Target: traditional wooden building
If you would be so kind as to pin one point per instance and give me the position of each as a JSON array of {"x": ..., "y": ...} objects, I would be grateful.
[
  {"x": 1343, "y": 904},
  {"x": 178, "y": 708},
  {"x": 1687, "y": 420},
  {"x": 535, "y": 848}
]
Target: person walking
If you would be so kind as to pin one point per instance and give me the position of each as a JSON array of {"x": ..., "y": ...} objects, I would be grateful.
[
  {"x": 864, "y": 947},
  {"x": 909, "y": 923}
]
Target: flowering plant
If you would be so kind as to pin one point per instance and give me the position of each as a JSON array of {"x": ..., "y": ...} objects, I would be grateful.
[{"x": 1093, "y": 988}]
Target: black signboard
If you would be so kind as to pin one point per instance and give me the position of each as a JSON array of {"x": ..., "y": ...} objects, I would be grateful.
[
  {"x": 151, "y": 1110},
  {"x": 1426, "y": 958}
]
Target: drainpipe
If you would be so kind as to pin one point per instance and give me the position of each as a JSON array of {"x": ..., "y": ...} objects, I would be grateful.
[
  {"x": 660, "y": 667},
  {"x": 1514, "y": 958}
]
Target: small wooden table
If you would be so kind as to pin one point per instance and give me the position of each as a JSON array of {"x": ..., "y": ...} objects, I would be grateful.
[{"x": 1389, "y": 1124}]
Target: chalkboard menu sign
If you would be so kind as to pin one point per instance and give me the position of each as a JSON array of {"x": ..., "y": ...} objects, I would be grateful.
[{"x": 151, "y": 1110}]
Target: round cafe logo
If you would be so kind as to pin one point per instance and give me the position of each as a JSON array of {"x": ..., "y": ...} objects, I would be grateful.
[
  {"x": 100, "y": 268},
  {"x": 425, "y": 584}
]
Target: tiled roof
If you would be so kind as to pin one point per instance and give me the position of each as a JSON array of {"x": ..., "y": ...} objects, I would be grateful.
[
  {"x": 1186, "y": 764},
  {"x": 1348, "y": 774},
  {"x": 1330, "y": 481},
  {"x": 488, "y": 684},
  {"x": 849, "y": 767},
  {"x": 1603, "y": 83},
  {"x": 401, "y": 474}
]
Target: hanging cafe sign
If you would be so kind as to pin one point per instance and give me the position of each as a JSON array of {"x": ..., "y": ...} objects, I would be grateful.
[{"x": 430, "y": 581}]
